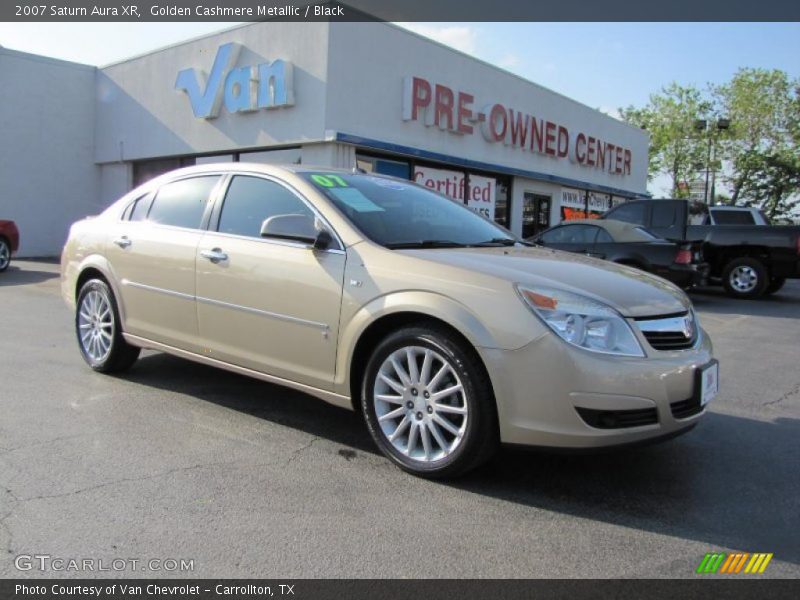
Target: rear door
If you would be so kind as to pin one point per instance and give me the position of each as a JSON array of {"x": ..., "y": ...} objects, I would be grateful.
[
  {"x": 265, "y": 304},
  {"x": 152, "y": 253}
]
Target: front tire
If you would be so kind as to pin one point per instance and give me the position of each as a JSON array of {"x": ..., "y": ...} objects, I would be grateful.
[
  {"x": 97, "y": 326},
  {"x": 5, "y": 254},
  {"x": 745, "y": 278},
  {"x": 428, "y": 403},
  {"x": 775, "y": 284}
]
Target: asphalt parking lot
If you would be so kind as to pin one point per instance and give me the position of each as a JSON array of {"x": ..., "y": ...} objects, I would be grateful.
[{"x": 180, "y": 461}]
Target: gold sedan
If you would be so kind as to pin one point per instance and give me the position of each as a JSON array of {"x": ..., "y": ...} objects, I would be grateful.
[{"x": 448, "y": 333}]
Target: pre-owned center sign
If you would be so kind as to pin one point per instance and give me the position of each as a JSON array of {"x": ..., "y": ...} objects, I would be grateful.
[{"x": 438, "y": 105}]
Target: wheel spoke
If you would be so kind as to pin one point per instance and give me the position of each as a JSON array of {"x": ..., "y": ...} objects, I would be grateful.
[
  {"x": 425, "y": 374},
  {"x": 401, "y": 373},
  {"x": 401, "y": 427},
  {"x": 388, "y": 398},
  {"x": 437, "y": 435},
  {"x": 437, "y": 378},
  {"x": 446, "y": 392},
  {"x": 391, "y": 383},
  {"x": 426, "y": 441},
  {"x": 446, "y": 408},
  {"x": 413, "y": 373},
  {"x": 393, "y": 414},
  {"x": 412, "y": 438},
  {"x": 446, "y": 424}
]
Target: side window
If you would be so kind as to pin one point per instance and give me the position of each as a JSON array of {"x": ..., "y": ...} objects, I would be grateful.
[
  {"x": 663, "y": 214},
  {"x": 182, "y": 203},
  {"x": 603, "y": 237},
  {"x": 555, "y": 236},
  {"x": 571, "y": 234},
  {"x": 140, "y": 207},
  {"x": 251, "y": 200},
  {"x": 630, "y": 213}
]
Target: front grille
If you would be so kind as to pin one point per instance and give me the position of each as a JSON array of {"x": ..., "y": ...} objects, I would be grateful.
[
  {"x": 677, "y": 332},
  {"x": 684, "y": 409},
  {"x": 618, "y": 419}
]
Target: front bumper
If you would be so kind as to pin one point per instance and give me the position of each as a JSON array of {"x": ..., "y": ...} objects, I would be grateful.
[{"x": 548, "y": 392}]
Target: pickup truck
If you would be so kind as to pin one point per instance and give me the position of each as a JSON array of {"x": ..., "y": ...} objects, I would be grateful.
[{"x": 750, "y": 261}]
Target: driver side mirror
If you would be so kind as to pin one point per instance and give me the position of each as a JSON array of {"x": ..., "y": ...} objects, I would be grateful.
[{"x": 298, "y": 228}]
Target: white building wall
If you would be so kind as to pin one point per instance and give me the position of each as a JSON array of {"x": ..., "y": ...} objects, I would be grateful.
[
  {"x": 48, "y": 178},
  {"x": 141, "y": 115},
  {"x": 116, "y": 180}
]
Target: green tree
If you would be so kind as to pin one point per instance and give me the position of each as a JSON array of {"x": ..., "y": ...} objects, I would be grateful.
[
  {"x": 762, "y": 150},
  {"x": 677, "y": 147}
]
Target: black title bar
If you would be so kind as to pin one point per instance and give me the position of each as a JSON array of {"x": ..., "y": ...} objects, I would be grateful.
[
  {"x": 733, "y": 588},
  {"x": 400, "y": 10}
]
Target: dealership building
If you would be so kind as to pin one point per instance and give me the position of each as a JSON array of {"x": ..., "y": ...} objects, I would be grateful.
[{"x": 367, "y": 95}]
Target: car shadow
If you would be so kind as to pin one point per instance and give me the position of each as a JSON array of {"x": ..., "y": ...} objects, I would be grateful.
[
  {"x": 16, "y": 275},
  {"x": 731, "y": 482}
]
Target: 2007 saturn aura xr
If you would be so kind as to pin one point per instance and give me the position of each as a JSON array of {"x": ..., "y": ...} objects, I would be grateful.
[{"x": 449, "y": 334}]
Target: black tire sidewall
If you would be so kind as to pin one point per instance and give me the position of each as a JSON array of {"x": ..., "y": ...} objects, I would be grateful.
[
  {"x": 116, "y": 339},
  {"x": 757, "y": 266},
  {"x": 3, "y": 242},
  {"x": 466, "y": 453}
]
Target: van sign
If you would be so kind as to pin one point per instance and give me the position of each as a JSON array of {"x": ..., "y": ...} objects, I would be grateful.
[{"x": 241, "y": 89}]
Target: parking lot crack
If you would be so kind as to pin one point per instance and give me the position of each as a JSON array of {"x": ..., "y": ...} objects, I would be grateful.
[
  {"x": 786, "y": 396},
  {"x": 302, "y": 449},
  {"x": 132, "y": 480}
]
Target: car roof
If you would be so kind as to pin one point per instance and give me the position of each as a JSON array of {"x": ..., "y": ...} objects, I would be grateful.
[{"x": 619, "y": 230}]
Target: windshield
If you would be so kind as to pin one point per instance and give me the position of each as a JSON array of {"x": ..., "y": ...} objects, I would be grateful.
[{"x": 399, "y": 214}]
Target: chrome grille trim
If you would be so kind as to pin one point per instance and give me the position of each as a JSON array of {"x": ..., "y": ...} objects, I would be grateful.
[{"x": 670, "y": 333}]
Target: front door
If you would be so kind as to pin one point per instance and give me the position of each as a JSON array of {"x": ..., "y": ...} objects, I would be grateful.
[
  {"x": 535, "y": 214},
  {"x": 264, "y": 304},
  {"x": 152, "y": 253}
]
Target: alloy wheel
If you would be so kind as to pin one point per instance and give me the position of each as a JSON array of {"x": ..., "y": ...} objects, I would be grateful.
[
  {"x": 96, "y": 325},
  {"x": 420, "y": 404},
  {"x": 743, "y": 278}
]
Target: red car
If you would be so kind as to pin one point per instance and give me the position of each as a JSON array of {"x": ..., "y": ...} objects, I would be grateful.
[{"x": 9, "y": 243}]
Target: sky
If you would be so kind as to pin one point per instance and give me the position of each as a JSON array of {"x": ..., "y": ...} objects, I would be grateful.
[{"x": 604, "y": 65}]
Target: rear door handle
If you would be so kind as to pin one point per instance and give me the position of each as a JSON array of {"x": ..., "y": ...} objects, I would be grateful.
[
  {"x": 123, "y": 241},
  {"x": 215, "y": 255}
]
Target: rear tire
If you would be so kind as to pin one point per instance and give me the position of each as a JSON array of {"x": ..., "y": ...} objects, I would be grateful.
[
  {"x": 5, "y": 254},
  {"x": 428, "y": 403},
  {"x": 775, "y": 284},
  {"x": 745, "y": 278},
  {"x": 97, "y": 327}
]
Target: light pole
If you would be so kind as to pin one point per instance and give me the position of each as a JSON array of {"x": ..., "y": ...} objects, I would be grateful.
[{"x": 720, "y": 125}]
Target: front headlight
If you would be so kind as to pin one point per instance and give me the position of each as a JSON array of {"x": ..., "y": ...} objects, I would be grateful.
[{"x": 581, "y": 321}]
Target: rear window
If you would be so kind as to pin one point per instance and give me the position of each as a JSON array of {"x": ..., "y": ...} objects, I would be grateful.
[
  {"x": 630, "y": 213},
  {"x": 733, "y": 217},
  {"x": 183, "y": 202}
]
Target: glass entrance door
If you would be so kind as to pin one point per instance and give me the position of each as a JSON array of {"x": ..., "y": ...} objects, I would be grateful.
[{"x": 535, "y": 214}]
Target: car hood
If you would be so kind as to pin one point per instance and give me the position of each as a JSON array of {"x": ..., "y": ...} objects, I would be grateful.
[{"x": 630, "y": 291}]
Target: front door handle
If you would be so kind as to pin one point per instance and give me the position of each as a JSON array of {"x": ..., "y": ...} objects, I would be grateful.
[
  {"x": 123, "y": 241},
  {"x": 215, "y": 255}
]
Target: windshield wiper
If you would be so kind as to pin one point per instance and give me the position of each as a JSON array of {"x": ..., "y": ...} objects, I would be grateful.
[
  {"x": 498, "y": 241},
  {"x": 425, "y": 244}
]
